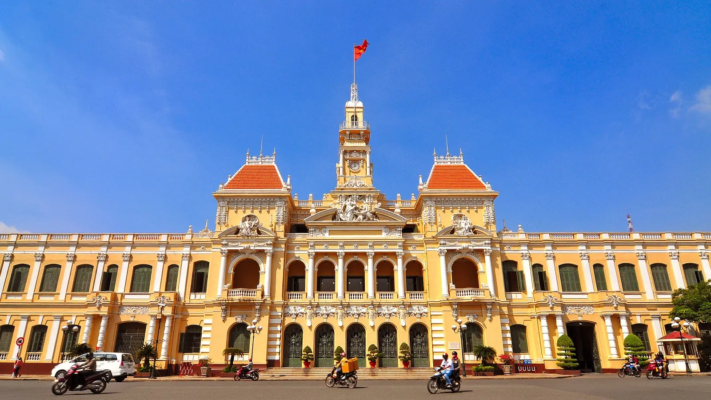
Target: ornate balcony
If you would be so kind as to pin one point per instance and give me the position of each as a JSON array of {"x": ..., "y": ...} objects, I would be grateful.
[
  {"x": 469, "y": 293},
  {"x": 355, "y": 126}
]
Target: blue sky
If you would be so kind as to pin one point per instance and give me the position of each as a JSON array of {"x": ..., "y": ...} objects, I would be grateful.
[{"x": 125, "y": 116}]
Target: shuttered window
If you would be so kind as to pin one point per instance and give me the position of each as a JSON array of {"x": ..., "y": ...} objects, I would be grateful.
[
  {"x": 82, "y": 279},
  {"x": 6, "y": 332},
  {"x": 628, "y": 276},
  {"x": 661, "y": 278},
  {"x": 171, "y": 280},
  {"x": 540, "y": 279},
  {"x": 37, "y": 339},
  {"x": 569, "y": 278},
  {"x": 239, "y": 338},
  {"x": 693, "y": 275},
  {"x": 519, "y": 341},
  {"x": 18, "y": 278},
  {"x": 600, "y": 281},
  {"x": 200, "y": 271},
  {"x": 108, "y": 280},
  {"x": 473, "y": 336},
  {"x": 513, "y": 279},
  {"x": 190, "y": 339},
  {"x": 70, "y": 338},
  {"x": 640, "y": 330},
  {"x": 50, "y": 278},
  {"x": 141, "y": 281}
]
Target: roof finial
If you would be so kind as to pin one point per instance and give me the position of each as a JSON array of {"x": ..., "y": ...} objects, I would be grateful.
[
  {"x": 629, "y": 223},
  {"x": 206, "y": 224},
  {"x": 435, "y": 152},
  {"x": 446, "y": 142},
  {"x": 261, "y": 145}
]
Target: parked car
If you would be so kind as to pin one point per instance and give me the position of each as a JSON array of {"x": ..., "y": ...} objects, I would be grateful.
[{"x": 121, "y": 365}]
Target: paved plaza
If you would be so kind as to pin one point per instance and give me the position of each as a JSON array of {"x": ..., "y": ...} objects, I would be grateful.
[{"x": 588, "y": 387}]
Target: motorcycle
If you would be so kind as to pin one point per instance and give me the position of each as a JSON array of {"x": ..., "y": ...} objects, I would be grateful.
[
  {"x": 70, "y": 382},
  {"x": 630, "y": 370},
  {"x": 349, "y": 379},
  {"x": 438, "y": 382},
  {"x": 243, "y": 373},
  {"x": 657, "y": 370}
]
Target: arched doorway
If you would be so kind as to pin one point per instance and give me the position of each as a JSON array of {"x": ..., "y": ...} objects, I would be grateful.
[
  {"x": 387, "y": 344},
  {"x": 355, "y": 343},
  {"x": 130, "y": 336},
  {"x": 465, "y": 274},
  {"x": 246, "y": 274},
  {"x": 585, "y": 340},
  {"x": 239, "y": 339},
  {"x": 419, "y": 346},
  {"x": 293, "y": 338},
  {"x": 324, "y": 346}
]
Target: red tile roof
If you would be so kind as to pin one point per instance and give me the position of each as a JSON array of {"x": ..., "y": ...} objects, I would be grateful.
[
  {"x": 256, "y": 177},
  {"x": 454, "y": 177},
  {"x": 677, "y": 336}
]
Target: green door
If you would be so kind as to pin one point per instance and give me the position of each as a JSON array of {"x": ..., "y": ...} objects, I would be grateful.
[
  {"x": 387, "y": 343},
  {"x": 324, "y": 346},
  {"x": 356, "y": 343},
  {"x": 419, "y": 346},
  {"x": 293, "y": 336}
]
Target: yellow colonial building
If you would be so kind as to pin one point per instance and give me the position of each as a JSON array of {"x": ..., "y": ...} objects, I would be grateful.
[{"x": 349, "y": 268}]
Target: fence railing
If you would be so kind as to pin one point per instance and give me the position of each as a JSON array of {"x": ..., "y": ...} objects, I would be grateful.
[
  {"x": 242, "y": 293},
  {"x": 386, "y": 295},
  {"x": 295, "y": 295},
  {"x": 35, "y": 356},
  {"x": 324, "y": 295},
  {"x": 470, "y": 292},
  {"x": 416, "y": 295},
  {"x": 356, "y": 296}
]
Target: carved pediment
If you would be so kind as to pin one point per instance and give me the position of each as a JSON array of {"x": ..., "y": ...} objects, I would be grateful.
[
  {"x": 475, "y": 231},
  {"x": 384, "y": 217},
  {"x": 234, "y": 231}
]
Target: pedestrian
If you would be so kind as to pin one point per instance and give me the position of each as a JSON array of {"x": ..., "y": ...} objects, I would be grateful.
[{"x": 16, "y": 369}]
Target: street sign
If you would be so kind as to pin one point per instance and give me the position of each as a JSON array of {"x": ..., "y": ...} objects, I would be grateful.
[
  {"x": 20, "y": 341},
  {"x": 97, "y": 348}
]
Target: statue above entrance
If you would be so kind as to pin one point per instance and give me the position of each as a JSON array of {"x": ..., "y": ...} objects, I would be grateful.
[{"x": 348, "y": 210}]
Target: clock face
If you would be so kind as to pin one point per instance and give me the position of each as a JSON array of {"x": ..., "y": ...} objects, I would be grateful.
[{"x": 354, "y": 166}]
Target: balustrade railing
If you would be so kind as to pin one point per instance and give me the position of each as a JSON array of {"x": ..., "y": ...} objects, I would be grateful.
[
  {"x": 562, "y": 236},
  {"x": 3, "y": 356},
  {"x": 242, "y": 293},
  {"x": 4, "y": 236},
  {"x": 651, "y": 235},
  {"x": 295, "y": 295},
  {"x": 60, "y": 236},
  {"x": 35, "y": 356},
  {"x": 178, "y": 236},
  {"x": 386, "y": 295},
  {"x": 355, "y": 125},
  {"x": 619, "y": 236},
  {"x": 682, "y": 236},
  {"x": 120, "y": 236},
  {"x": 356, "y": 296},
  {"x": 29, "y": 236},
  {"x": 324, "y": 295},
  {"x": 303, "y": 203},
  {"x": 406, "y": 203},
  {"x": 416, "y": 295},
  {"x": 592, "y": 236},
  {"x": 147, "y": 236},
  {"x": 470, "y": 292},
  {"x": 392, "y": 203},
  {"x": 90, "y": 236}
]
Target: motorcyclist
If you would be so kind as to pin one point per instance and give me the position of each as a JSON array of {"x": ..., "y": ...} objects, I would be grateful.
[
  {"x": 456, "y": 363},
  {"x": 247, "y": 368},
  {"x": 87, "y": 368},
  {"x": 339, "y": 366},
  {"x": 659, "y": 361},
  {"x": 446, "y": 367},
  {"x": 633, "y": 363}
]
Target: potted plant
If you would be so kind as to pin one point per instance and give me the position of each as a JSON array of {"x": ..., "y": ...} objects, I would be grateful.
[
  {"x": 566, "y": 356},
  {"x": 405, "y": 355},
  {"x": 486, "y": 354},
  {"x": 373, "y": 355},
  {"x": 232, "y": 352},
  {"x": 144, "y": 354},
  {"x": 307, "y": 356},
  {"x": 205, "y": 367},
  {"x": 337, "y": 354},
  {"x": 507, "y": 362}
]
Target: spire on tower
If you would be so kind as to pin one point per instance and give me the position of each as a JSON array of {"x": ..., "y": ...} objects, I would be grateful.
[{"x": 446, "y": 143}]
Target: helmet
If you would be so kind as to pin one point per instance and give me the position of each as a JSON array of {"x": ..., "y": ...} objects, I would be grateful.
[
  {"x": 445, "y": 356},
  {"x": 343, "y": 354},
  {"x": 250, "y": 359},
  {"x": 454, "y": 353},
  {"x": 89, "y": 356}
]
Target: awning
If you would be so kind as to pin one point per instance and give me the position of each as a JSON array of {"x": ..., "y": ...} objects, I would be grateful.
[{"x": 677, "y": 337}]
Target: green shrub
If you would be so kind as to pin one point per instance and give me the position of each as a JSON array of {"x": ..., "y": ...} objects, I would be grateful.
[
  {"x": 635, "y": 347},
  {"x": 566, "y": 353},
  {"x": 373, "y": 353},
  {"x": 484, "y": 368},
  {"x": 307, "y": 354},
  {"x": 405, "y": 354},
  {"x": 485, "y": 353},
  {"x": 229, "y": 369},
  {"x": 337, "y": 354}
]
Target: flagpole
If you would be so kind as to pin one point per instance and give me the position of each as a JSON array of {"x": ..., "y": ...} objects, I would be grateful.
[{"x": 355, "y": 117}]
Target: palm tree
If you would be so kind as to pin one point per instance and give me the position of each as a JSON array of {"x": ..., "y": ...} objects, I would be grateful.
[
  {"x": 232, "y": 352},
  {"x": 485, "y": 353},
  {"x": 146, "y": 352},
  {"x": 79, "y": 349}
]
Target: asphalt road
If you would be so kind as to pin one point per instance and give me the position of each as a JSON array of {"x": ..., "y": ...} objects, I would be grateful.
[{"x": 587, "y": 387}]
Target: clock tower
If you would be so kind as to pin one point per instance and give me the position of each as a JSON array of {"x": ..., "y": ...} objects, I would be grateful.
[{"x": 354, "y": 169}]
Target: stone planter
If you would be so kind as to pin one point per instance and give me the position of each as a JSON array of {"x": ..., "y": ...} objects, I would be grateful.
[
  {"x": 507, "y": 369},
  {"x": 142, "y": 375},
  {"x": 570, "y": 372},
  {"x": 487, "y": 373},
  {"x": 205, "y": 371}
]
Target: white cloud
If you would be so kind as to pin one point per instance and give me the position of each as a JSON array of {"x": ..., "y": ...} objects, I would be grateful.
[
  {"x": 9, "y": 229},
  {"x": 676, "y": 100},
  {"x": 703, "y": 101}
]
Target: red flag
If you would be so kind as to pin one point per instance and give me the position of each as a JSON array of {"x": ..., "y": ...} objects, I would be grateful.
[{"x": 359, "y": 50}]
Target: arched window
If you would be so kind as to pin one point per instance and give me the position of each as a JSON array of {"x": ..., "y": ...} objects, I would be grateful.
[
  {"x": 171, "y": 280},
  {"x": 297, "y": 277},
  {"x": 465, "y": 274},
  {"x": 385, "y": 277},
  {"x": 239, "y": 338},
  {"x": 355, "y": 281},
  {"x": 600, "y": 281},
  {"x": 473, "y": 336},
  {"x": 519, "y": 341},
  {"x": 141, "y": 280},
  {"x": 413, "y": 277},
  {"x": 108, "y": 279},
  {"x": 628, "y": 276},
  {"x": 201, "y": 270},
  {"x": 37, "y": 339},
  {"x": 540, "y": 279},
  {"x": 640, "y": 330},
  {"x": 18, "y": 278},
  {"x": 513, "y": 278},
  {"x": 569, "y": 278},
  {"x": 6, "y": 332},
  {"x": 326, "y": 277},
  {"x": 190, "y": 339},
  {"x": 693, "y": 275},
  {"x": 82, "y": 279},
  {"x": 661, "y": 278},
  {"x": 50, "y": 278}
]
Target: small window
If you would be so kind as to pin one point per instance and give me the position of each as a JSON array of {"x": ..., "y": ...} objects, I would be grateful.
[
  {"x": 190, "y": 339},
  {"x": 661, "y": 278},
  {"x": 693, "y": 275},
  {"x": 410, "y": 228},
  {"x": 628, "y": 276},
  {"x": 384, "y": 284},
  {"x": 171, "y": 280},
  {"x": 141, "y": 281},
  {"x": 600, "y": 281},
  {"x": 37, "y": 339},
  {"x": 519, "y": 341},
  {"x": 6, "y": 332},
  {"x": 296, "y": 284},
  {"x": 355, "y": 284},
  {"x": 540, "y": 279},
  {"x": 415, "y": 284},
  {"x": 513, "y": 279},
  {"x": 473, "y": 336},
  {"x": 569, "y": 278},
  {"x": 50, "y": 278},
  {"x": 82, "y": 279},
  {"x": 18, "y": 278},
  {"x": 326, "y": 284},
  {"x": 70, "y": 338},
  {"x": 298, "y": 228},
  {"x": 200, "y": 274},
  {"x": 108, "y": 279}
]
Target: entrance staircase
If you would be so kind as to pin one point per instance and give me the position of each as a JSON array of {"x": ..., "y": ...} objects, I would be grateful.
[{"x": 301, "y": 374}]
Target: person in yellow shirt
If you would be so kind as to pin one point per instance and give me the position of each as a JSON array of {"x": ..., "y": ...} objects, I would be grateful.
[{"x": 339, "y": 366}]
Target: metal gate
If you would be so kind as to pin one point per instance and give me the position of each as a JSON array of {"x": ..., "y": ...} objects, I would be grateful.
[
  {"x": 293, "y": 336},
  {"x": 419, "y": 346},
  {"x": 324, "y": 346},
  {"x": 356, "y": 343},
  {"x": 387, "y": 344},
  {"x": 130, "y": 337}
]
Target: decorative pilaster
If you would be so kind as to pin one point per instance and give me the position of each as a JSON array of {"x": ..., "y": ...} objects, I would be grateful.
[
  {"x": 67, "y": 273},
  {"x": 183, "y": 283},
  {"x": 559, "y": 324},
  {"x": 100, "y": 262},
  {"x": 612, "y": 271},
  {"x": 6, "y": 258},
  {"x": 489, "y": 272},
  {"x": 443, "y": 272},
  {"x": 676, "y": 268},
  {"x": 53, "y": 335},
  {"x": 610, "y": 336},
  {"x": 624, "y": 325},
  {"x": 527, "y": 273},
  {"x": 166, "y": 337},
  {"x": 587, "y": 271},
  {"x": 102, "y": 331},
  {"x": 310, "y": 277},
  {"x": 87, "y": 329},
  {"x": 268, "y": 273},
  {"x": 547, "y": 353},
  {"x": 371, "y": 274},
  {"x": 642, "y": 258},
  {"x": 123, "y": 277},
  {"x": 400, "y": 275},
  {"x": 223, "y": 271},
  {"x": 151, "y": 330},
  {"x": 35, "y": 275},
  {"x": 341, "y": 274},
  {"x": 20, "y": 333},
  {"x": 159, "y": 272},
  {"x": 552, "y": 272},
  {"x": 704, "y": 264}
]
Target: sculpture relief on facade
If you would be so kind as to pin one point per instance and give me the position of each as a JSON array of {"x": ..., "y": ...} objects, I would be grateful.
[
  {"x": 462, "y": 225},
  {"x": 348, "y": 210}
]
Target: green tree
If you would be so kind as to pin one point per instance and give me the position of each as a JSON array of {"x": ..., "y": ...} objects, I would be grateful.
[
  {"x": 485, "y": 353},
  {"x": 693, "y": 303},
  {"x": 79, "y": 349},
  {"x": 146, "y": 352},
  {"x": 337, "y": 354},
  {"x": 405, "y": 354},
  {"x": 635, "y": 347},
  {"x": 307, "y": 355},
  {"x": 566, "y": 353},
  {"x": 373, "y": 353},
  {"x": 232, "y": 352}
]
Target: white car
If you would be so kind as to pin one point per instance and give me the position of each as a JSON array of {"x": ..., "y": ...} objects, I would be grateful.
[{"x": 121, "y": 365}]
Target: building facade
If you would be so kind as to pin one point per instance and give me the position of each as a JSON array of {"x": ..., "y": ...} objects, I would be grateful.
[{"x": 351, "y": 268}]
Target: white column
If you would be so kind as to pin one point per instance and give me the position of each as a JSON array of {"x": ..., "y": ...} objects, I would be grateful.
[
  {"x": 443, "y": 272},
  {"x": 657, "y": 327},
  {"x": 35, "y": 275},
  {"x": 624, "y": 325},
  {"x": 371, "y": 274},
  {"x": 546, "y": 336},
  {"x": 67, "y": 273},
  {"x": 704, "y": 265},
  {"x": 21, "y": 333},
  {"x": 340, "y": 164},
  {"x": 528, "y": 273},
  {"x": 184, "y": 274},
  {"x": 86, "y": 336},
  {"x": 159, "y": 272},
  {"x": 310, "y": 277},
  {"x": 6, "y": 258},
  {"x": 166, "y": 337},
  {"x": 400, "y": 275},
  {"x": 268, "y": 274},
  {"x": 489, "y": 272},
  {"x": 587, "y": 271},
  {"x": 341, "y": 274},
  {"x": 559, "y": 324},
  {"x": 223, "y": 271},
  {"x": 552, "y": 272},
  {"x": 124, "y": 273},
  {"x": 642, "y": 258},
  {"x": 151, "y": 329},
  {"x": 612, "y": 271},
  {"x": 101, "y": 261},
  {"x": 102, "y": 332},
  {"x": 367, "y": 163},
  {"x": 54, "y": 333},
  {"x": 610, "y": 336},
  {"x": 676, "y": 268}
]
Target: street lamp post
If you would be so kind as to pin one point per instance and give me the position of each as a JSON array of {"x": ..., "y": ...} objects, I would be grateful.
[
  {"x": 159, "y": 317},
  {"x": 677, "y": 325},
  {"x": 460, "y": 328},
  {"x": 65, "y": 330},
  {"x": 254, "y": 330}
]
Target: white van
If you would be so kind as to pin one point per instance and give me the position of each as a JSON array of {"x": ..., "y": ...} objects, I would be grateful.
[{"x": 121, "y": 365}]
